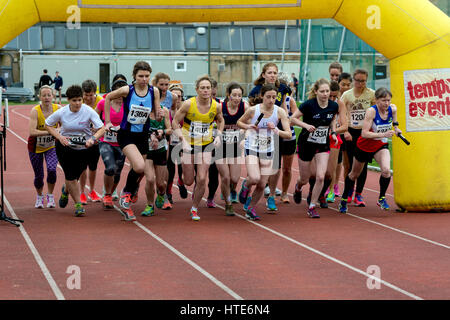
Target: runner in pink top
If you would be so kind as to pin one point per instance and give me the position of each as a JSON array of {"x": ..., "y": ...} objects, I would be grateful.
[{"x": 110, "y": 151}]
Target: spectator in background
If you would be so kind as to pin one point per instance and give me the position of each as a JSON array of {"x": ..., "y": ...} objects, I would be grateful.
[
  {"x": 295, "y": 82},
  {"x": 58, "y": 81},
  {"x": 3, "y": 84},
  {"x": 45, "y": 79}
]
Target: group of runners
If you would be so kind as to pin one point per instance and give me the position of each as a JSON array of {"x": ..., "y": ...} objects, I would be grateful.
[{"x": 151, "y": 125}]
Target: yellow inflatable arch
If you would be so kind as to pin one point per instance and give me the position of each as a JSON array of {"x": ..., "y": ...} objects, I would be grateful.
[{"x": 413, "y": 35}]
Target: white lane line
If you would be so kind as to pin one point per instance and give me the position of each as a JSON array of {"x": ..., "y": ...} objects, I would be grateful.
[
  {"x": 36, "y": 255},
  {"x": 365, "y": 188},
  {"x": 385, "y": 226},
  {"x": 189, "y": 261},
  {"x": 326, "y": 256}
]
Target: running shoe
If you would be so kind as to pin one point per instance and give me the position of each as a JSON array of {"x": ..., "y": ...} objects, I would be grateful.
[
  {"x": 284, "y": 198},
  {"x": 108, "y": 201},
  {"x": 79, "y": 210},
  {"x": 194, "y": 215},
  {"x": 183, "y": 191},
  {"x": 169, "y": 197},
  {"x": 243, "y": 194},
  {"x": 323, "y": 202},
  {"x": 343, "y": 206},
  {"x": 297, "y": 195},
  {"x": 148, "y": 211},
  {"x": 64, "y": 199},
  {"x": 114, "y": 195},
  {"x": 247, "y": 203},
  {"x": 134, "y": 196},
  {"x": 382, "y": 203},
  {"x": 83, "y": 198},
  {"x": 350, "y": 197},
  {"x": 336, "y": 190},
  {"x": 159, "y": 202},
  {"x": 167, "y": 205},
  {"x": 50, "y": 201},
  {"x": 271, "y": 204},
  {"x": 359, "y": 200},
  {"x": 210, "y": 203},
  {"x": 312, "y": 213},
  {"x": 229, "y": 210},
  {"x": 125, "y": 200},
  {"x": 331, "y": 196},
  {"x": 39, "y": 202},
  {"x": 93, "y": 196},
  {"x": 234, "y": 196},
  {"x": 128, "y": 214},
  {"x": 251, "y": 214},
  {"x": 267, "y": 192}
]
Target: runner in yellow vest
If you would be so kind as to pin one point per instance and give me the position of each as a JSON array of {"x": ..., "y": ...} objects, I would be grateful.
[
  {"x": 41, "y": 144},
  {"x": 198, "y": 115}
]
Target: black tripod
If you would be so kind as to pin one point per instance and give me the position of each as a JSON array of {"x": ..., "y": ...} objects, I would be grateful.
[{"x": 3, "y": 166}]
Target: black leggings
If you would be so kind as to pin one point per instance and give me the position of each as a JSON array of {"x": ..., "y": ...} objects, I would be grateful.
[
  {"x": 350, "y": 148},
  {"x": 113, "y": 158},
  {"x": 171, "y": 169},
  {"x": 213, "y": 183}
]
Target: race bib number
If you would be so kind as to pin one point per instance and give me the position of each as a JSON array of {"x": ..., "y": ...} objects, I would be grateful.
[
  {"x": 161, "y": 144},
  {"x": 45, "y": 142},
  {"x": 138, "y": 114},
  {"x": 230, "y": 136},
  {"x": 319, "y": 135},
  {"x": 174, "y": 139},
  {"x": 357, "y": 117},
  {"x": 110, "y": 137},
  {"x": 199, "y": 130},
  {"x": 261, "y": 143},
  {"x": 382, "y": 128},
  {"x": 78, "y": 141}
]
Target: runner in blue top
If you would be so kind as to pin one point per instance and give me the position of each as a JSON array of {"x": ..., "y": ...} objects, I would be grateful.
[
  {"x": 140, "y": 99},
  {"x": 167, "y": 98}
]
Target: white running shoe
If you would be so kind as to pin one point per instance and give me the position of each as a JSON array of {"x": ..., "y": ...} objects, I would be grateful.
[
  {"x": 39, "y": 202},
  {"x": 50, "y": 201}
]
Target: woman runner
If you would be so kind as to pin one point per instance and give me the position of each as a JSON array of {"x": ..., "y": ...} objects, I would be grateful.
[
  {"x": 314, "y": 140},
  {"x": 112, "y": 155},
  {"x": 229, "y": 154},
  {"x": 74, "y": 140},
  {"x": 260, "y": 146},
  {"x": 140, "y": 100},
  {"x": 373, "y": 143},
  {"x": 172, "y": 158},
  {"x": 41, "y": 144}
]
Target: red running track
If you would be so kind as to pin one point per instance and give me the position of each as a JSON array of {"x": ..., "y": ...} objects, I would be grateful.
[{"x": 284, "y": 256}]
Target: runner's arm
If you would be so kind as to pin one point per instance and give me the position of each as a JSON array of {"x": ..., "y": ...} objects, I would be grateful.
[
  {"x": 178, "y": 117},
  {"x": 121, "y": 92},
  {"x": 286, "y": 132},
  {"x": 34, "y": 132}
]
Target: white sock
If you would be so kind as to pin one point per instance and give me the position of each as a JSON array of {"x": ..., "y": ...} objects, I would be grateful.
[{"x": 194, "y": 209}]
